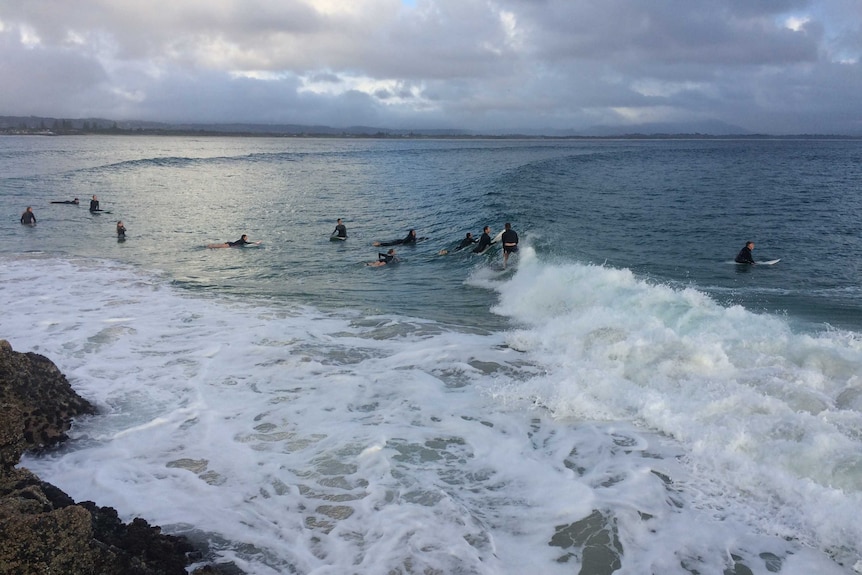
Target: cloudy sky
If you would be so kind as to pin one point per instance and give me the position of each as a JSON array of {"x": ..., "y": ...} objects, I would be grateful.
[{"x": 774, "y": 66}]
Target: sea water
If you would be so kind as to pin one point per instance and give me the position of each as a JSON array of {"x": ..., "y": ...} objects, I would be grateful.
[{"x": 620, "y": 398}]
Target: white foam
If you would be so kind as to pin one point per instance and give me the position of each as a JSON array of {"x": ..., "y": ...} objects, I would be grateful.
[{"x": 332, "y": 443}]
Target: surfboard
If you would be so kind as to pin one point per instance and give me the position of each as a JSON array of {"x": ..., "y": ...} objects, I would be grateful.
[
  {"x": 100, "y": 211},
  {"x": 335, "y": 238},
  {"x": 224, "y": 245},
  {"x": 759, "y": 263}
]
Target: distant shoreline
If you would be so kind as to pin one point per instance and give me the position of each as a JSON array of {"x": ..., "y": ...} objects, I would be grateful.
[
  {"x": 418, "y": 136},
  {"x": 49, "y": 126}
]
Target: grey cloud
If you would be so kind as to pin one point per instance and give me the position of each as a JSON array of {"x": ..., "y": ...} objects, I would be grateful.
[{"x": 465, "y": 63}]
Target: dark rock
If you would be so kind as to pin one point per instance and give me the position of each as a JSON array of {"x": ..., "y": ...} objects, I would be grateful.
[{"x": 42, "y": 529}]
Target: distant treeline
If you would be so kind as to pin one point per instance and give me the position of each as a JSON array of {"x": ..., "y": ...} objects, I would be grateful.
[{"x": 47, "y": 126}]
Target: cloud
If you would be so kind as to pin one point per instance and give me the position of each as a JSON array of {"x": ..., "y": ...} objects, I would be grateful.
[{"x": 778, "y": 66}]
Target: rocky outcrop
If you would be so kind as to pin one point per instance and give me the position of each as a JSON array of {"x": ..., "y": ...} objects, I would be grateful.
[{"x": 42, "y": 530}]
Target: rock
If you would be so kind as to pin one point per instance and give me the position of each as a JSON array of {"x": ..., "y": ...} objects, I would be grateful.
[
  {"x": 42, "y": 529},
  {"x": 34, "y": 386}
]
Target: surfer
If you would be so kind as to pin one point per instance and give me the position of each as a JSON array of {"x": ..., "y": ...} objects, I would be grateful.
[
  {"x": 744, "y": 255},
  {"x": 510, "y": 242},
  {"x": 468, "y": 240},
  {"x": 484, "y": 240},
  {"x": 383, "y": 259},
  {"x": 241, "y": 242},
  {"x": 340, "y": 229},
  {"x": 410, "y": 239},
  {"x": 94, "y": 205},
  {"x": 75, "y": 202},
  {"x": 121, "y": 231},
  {"x": 28, "y": 217}
]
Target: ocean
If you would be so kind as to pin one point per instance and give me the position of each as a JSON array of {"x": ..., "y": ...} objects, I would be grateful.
[{"x": 621, "y": 398}]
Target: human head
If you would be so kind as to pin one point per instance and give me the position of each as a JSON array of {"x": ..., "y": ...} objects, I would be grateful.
[
  {"x": 508, "y": 226},
  {"x": 391, "y": 251},
  {"x": 94, "y": 196},
  {"x": 469, "y": 235},
  {"x": 749, "y": 244},
  {"x": 487, "y": 229},
  {"x": 338, "y": 221},
  {"x": 412, "y": 232},
  {"x": 244, "y": 236},
  {"x": 29, "y": 209}
]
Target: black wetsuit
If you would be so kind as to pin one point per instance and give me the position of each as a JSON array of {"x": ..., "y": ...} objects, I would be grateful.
[
  {"x": 340, "y": 231},
  {"x": 510, "y": 237},
  {"x": 75, "y": 202},
  {"x": 386, "y": 258},
  {"x": 94, "y": 206},
  {"x": 744, "y": 256},
  {"x": 410, "y": 239},
  {"x": 484, "y": 242},
  {"x": 28, "y": 218},
  {"x": 239, "y": 242},
  {"x": 466, "y": 242},
  {"x": 121, "y": 231}
]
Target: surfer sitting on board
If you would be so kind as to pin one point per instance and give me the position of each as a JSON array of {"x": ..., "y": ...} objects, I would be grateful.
[
  {"x": 744, "y": 255},
  {"x": 243, "y": 241},
  {"x": 340, "y": 229},
  {"x": 94, "y": 205},
  {"x": 28, "y": 217},
  {"x": 410, "y": 239},
  {"x": 383, "y": 259},
  {"x": 484, "y": 240}
]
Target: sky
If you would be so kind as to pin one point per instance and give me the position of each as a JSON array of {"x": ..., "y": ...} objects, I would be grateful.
[{"x": 489, "y": 66}]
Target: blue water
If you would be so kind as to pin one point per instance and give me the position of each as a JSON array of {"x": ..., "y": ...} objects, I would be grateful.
[{"x": 621, "y": 378}]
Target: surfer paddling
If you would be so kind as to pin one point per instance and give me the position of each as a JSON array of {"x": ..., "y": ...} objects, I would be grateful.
[
  {"x": 384, "y": 259},
  {"x": 410, "y": 239},
  {"x": 241, "y": 242}
]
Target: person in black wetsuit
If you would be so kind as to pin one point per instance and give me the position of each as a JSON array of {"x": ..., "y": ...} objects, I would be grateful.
[
  {"x": 383, "y": 259},
  {"x": 243, "y": 241},
  {"x": 121, "y": 231},
  {"x": 744, "y": 256},
  {"x": 94, "y": 205},
  {"x": 484, "y": 240},
  {"x": 410, "y": 239},
  {"x": 340, "y": 229},
  {"x": 510, "y": 242},
  {"x": 28, "y": 217},
  {"x": 468, "y": 240},
  {"x": 75, "y": 202}
]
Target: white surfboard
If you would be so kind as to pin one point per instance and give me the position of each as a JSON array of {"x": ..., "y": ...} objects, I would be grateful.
[{"x": 760, "y": 263}]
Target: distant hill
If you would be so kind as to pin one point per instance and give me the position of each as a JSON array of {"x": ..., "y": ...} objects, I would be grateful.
[
  {"x": 710, "y": 127},
  {"x": 63, "y": 126}
]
